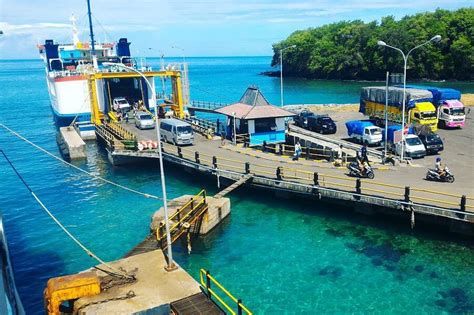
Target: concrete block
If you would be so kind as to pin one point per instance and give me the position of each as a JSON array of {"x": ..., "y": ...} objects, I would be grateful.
[{"x": 71, "y": 144}]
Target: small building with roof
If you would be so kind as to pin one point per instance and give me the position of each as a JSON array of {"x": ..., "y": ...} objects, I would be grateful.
[{"x": 256, "y": 117}]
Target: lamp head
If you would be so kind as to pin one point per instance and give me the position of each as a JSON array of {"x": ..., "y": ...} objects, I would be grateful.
[
  {"x": 107, "y": 63},
  {"x": 381, "y": 43},
  {"x": 293, "y": 46},
  {"x": 436, "y": 39}
]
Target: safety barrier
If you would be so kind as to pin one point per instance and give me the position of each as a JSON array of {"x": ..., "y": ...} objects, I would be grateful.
[
  {"x": 208, "y": 283},
  {"x": 207, "y": 105},
  {"x": 347, "y": 184},
  {"x": 242, "y": 138},
  {"x": 183, "y": 219},
  {"x": 289, "y": 150}
]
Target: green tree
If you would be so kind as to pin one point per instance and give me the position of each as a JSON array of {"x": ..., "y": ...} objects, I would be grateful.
[{"x": 349, "y": 50}]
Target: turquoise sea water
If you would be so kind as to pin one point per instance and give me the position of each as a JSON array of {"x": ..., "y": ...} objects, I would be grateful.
[{"x": 279, "y": 256}]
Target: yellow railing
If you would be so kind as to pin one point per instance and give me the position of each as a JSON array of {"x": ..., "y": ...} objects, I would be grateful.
[
  {"x": 209, "y": 282},
  {"x": 192, "y": 205}
]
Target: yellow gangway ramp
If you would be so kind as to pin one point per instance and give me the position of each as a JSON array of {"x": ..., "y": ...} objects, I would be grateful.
[
  {"x": 67, "y": 288},
  {"x": 113, "y": 117}
]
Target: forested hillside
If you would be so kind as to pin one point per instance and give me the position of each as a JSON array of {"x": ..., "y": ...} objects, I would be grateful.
[{"x": 348, "y": 49}]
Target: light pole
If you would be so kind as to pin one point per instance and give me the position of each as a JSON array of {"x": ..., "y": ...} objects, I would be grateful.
[
  {"x": 171, "y": 265},
  {"x": 436, "y": 39},
  {"x": 281, "y": 71},
  {"x": 235, "y": 136}
]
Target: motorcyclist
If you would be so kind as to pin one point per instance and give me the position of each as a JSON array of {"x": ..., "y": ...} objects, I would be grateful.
[
  {"x": 439, "y": 168},
  {"x": 361, "y": 163}
]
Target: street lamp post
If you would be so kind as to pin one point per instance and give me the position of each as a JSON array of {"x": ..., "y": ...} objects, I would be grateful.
[
  {"x": 235, "y": 135},
  {"x": 281, "y": 71},
  {"x": 436, "y": 38},
  {"x": 171, "y": 265}
]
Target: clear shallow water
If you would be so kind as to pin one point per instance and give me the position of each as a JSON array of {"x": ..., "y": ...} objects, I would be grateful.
[{"x": 279, "y": 256}]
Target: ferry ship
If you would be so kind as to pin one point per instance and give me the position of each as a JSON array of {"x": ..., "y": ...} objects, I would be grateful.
[{"x": 84, "y": 79}]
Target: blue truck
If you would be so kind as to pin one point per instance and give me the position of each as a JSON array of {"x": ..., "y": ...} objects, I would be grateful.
[{"x": 364, "y": 131}]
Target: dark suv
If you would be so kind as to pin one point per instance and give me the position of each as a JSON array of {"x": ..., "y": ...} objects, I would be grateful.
[
  {"x": 432, "y": 142},
  {"x": 322, "y": 124},
  {"x": 301, "y": 120}
]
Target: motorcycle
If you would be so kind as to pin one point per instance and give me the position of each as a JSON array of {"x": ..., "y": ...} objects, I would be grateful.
[
  {"x": 355, "y": 171},
  {"x": 434, "y": 175}
]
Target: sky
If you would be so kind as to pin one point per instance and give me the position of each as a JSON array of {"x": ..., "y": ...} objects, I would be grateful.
[{"x": 194, "y": 28}]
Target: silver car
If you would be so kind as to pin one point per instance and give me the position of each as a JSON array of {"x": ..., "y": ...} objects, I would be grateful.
[{"x": 144, "y": 120}]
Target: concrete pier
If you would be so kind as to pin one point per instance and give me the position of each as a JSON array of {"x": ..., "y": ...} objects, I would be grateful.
[
  {"x": 70, "y": 143},
  {"x": 153, "y": 292},
  {"x": 218, "y": 210}
]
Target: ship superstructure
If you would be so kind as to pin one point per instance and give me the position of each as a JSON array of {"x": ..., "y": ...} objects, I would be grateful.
[{"x": 83, "y": 85}]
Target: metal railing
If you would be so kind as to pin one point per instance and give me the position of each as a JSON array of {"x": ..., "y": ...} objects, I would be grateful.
[
  {"x": 207, "y": 105},
  {"x": 208, "y": 286},
  {"x": 183, "y": 219},
  {"x": 355, "y": 186}
]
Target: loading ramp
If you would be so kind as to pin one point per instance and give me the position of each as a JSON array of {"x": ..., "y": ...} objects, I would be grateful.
[{"x": 235, "y": 185}]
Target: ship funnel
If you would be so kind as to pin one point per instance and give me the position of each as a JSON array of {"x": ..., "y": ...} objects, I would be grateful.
[{"x": 123, "y": 48}]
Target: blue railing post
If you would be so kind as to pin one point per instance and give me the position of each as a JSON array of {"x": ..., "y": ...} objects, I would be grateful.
[
  {"x": 196, "y": 157},
  {"x": 239, "y": 306},
  {"x": 180, "y": 152},
  {"x": 247, "y": 167}
]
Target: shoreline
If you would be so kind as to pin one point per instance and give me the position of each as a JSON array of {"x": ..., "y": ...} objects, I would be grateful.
[{"x": 467, "y": 99}]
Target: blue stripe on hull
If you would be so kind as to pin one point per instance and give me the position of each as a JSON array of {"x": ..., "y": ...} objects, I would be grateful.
[{"x": 66, "y": 120}]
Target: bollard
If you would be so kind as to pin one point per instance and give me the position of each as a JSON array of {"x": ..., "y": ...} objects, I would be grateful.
[
  {"x": 264, "y": 146},
  {"x": 278, "y": 172},
  {"x": 180, "y": 152},
  {"x": 463, "y": 203},
  {"x": 280, "y": 149},
  {"x": 247, "y": 168},
  {"x": 316, "y": 178},
  {"x": 407, "y": 194},
  {"x": 196, "y": 157},
  {"x": 307, "y": 153},
  {"x": 204, "y": 194},
  {"x": 214, "y": 161},
  {"x": 358, "y": 186}
]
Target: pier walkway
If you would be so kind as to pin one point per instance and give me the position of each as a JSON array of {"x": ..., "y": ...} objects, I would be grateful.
[{"x": 402, "y": 187}]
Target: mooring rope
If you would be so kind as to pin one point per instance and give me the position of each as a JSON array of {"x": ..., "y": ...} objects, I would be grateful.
[
  {"x": 146, "y": 195},
  {"x": 88, "y": 251}
]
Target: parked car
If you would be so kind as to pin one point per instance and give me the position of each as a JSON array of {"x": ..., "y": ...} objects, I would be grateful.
[
  {"x": 120, "y": 104},
  {"x": 176, "y": 131},
  {"x": 301, "y": 120},
  {"x": 432, "y": 142},
  {"x": 144, "y": 120},
  {"x": 322, "y": 124}
]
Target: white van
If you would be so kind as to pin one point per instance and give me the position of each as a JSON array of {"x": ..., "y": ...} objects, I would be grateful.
[
  {"x": 176, "y": 131},
  {"x": 414, "y": 148}
]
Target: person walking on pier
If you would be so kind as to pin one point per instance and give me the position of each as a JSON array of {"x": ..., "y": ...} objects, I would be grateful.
[
  {"x": 363, "y": 154},
  {"x": 297, "y": 154}
]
